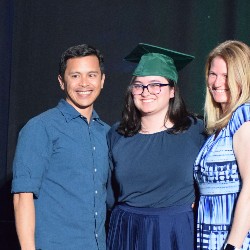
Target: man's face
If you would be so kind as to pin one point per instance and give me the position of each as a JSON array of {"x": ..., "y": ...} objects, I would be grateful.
[{"x": 82, "y": 83}]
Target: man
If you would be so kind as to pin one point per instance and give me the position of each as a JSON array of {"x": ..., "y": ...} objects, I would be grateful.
[{"x": 61, "y": 163}]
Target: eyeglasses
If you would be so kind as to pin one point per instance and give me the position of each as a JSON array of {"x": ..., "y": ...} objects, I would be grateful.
[{"x": 153, "y": 88}]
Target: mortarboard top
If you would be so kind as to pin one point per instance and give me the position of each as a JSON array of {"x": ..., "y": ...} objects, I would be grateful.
[{"x": 158, "y": 61}]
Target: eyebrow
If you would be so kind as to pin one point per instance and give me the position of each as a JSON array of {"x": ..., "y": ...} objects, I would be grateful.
[
  {"x": 77, "y": 72},
  {"x": 212, "y": 71},
  {"x": 92, "y": 71}
]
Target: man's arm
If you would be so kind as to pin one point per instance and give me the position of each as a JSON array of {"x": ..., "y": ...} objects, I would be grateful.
[{"x": 24, "y": 209}]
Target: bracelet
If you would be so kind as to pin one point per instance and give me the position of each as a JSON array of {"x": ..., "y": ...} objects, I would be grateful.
[{"x": 230, "y": 247}]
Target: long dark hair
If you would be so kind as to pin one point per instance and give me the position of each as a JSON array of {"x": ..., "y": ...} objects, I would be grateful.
[{"x": 177, "y": 114}]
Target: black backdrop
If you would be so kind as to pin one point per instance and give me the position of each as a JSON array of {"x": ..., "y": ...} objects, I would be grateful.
[{"x": 35, "y": 33}]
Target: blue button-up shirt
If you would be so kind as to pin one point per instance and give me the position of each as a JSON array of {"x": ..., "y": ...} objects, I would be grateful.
[{"x": 63, "y": 160}]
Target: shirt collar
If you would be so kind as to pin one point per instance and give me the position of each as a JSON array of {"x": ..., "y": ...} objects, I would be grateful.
[{"x": 70, "y": 113}]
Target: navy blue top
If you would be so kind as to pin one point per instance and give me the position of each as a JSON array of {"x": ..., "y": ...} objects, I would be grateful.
[
  {"x": 63, "y": 160},
  {"x": 155, "y": 170}
]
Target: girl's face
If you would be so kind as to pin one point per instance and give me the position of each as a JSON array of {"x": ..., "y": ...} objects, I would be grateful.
[{"x": 153, "y": 102}]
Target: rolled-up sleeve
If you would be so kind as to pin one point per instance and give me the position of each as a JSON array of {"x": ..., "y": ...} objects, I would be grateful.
[{"x": 31, "y": 158}]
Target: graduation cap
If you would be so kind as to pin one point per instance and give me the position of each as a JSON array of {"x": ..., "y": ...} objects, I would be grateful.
[{"x": 157, "y": 61}]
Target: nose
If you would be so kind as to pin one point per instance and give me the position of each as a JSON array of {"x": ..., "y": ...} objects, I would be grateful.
[
  {"x": 219, "y": 80},
  {"x": 83, "y": 82}
]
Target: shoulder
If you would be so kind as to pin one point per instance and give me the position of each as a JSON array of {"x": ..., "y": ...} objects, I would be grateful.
[
  {"x": 197, "y": 125},
  {"x": 239, "y": 116},
  {"x": 40, "y": 121},
  {"x": 113, "y": 130},
  {"x": 242, "y": 112},
  {"x": 113, "y": 135},
  {"x": 197, "y": 131},
  {"x": 105, "y": 126}
]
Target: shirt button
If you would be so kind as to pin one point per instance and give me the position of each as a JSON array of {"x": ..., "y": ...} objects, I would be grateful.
[
  {"x": 96, "y": 213},
  {"x": 95, "y": 170},
  {"x": 93, "y": 148},
  {"x": 96, "y": 191},
  {"x": 96, "y": 235}
]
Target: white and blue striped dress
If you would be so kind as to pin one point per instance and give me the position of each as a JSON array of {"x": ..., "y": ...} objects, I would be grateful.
[{"x": 218, "y": 178}]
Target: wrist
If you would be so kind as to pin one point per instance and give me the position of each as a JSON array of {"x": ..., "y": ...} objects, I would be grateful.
[{"x": 230, "y": 247}]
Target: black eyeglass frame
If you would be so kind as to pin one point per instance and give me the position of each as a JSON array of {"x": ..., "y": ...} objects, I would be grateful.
[{"x": 146, "y": 87}]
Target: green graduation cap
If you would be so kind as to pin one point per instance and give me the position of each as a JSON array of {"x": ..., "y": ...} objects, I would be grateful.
[{"x": 157, "y": 61}]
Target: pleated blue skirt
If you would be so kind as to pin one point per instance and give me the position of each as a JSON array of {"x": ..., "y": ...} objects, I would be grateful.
[{"x": 133, "y": 228}]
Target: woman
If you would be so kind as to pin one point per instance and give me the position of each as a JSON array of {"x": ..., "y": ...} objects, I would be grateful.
[
  {"x": 153, "y": 150},
  {"x": 222, "y": 168}
]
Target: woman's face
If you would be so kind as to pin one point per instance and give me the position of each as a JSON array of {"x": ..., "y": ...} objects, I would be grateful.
[
  {"x": 217, "y": 82},
  {"x": 153, "y": 103}
]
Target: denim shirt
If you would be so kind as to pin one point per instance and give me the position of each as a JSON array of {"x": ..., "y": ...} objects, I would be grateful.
[{"x": 63, "y": 160}]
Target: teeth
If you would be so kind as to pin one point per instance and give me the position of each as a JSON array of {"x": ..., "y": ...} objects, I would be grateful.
[
  {"x": 220, "y": 90},
  {"x": 84, "y": 92},
  {"x": 148, "y": 100}
]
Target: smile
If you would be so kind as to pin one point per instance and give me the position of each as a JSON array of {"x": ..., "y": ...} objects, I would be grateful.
[
  {"x": 220, "y": 90},
  {"x": 147, "y": 100},
  {"x": 84, "y": 92}
]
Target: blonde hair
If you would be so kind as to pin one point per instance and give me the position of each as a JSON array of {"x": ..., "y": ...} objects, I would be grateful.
[{"x": 236, "y": 55}]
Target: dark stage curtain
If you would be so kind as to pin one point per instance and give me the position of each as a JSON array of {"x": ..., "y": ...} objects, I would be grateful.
[{"x": 7, "y": 232}]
